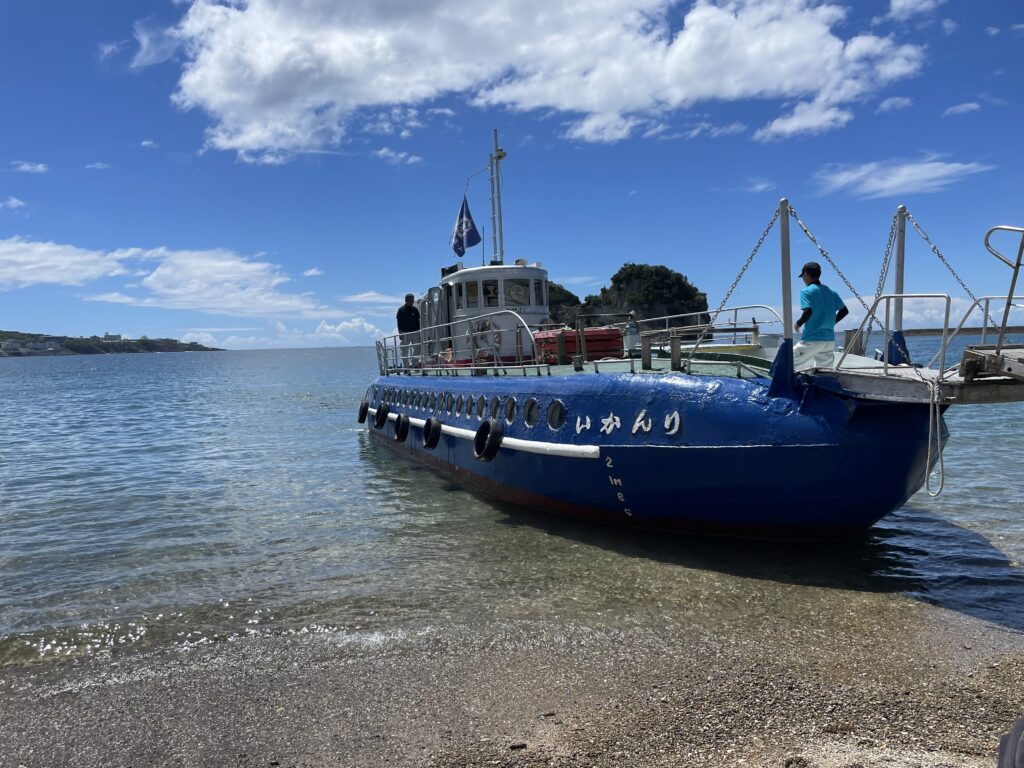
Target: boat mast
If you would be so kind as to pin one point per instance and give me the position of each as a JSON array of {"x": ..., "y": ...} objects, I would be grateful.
[{"x": 498, "y": 242}]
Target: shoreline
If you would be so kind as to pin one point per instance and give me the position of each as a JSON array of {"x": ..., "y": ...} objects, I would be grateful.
[{"x": 937, "y": 690}]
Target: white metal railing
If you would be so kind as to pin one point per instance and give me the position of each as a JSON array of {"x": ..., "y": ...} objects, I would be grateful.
[
  {"x": 479, "y": 341},
  {"x": 984, "y": 301},
  {"x": 871, "y": 315}
]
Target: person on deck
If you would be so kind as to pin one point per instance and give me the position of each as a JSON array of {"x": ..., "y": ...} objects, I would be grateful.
[
  {"x": 822, "y": 309},
  {"x": 409, "y": 327}
]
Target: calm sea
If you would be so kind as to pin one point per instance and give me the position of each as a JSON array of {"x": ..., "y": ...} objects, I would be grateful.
[{"x": 189, "y": 498}]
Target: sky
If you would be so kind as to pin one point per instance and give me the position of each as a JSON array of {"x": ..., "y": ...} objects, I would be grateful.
[{"x": 274, "y": 173}]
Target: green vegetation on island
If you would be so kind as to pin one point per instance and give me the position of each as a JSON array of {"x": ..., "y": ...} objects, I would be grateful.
[
  {"x": 19, "y": 344},
  {"x": 646, "y": 290}
]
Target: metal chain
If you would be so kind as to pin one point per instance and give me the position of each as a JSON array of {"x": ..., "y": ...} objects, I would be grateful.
[
  {"x": 937, "y": 252},
  {"x": 746, "y": 265},
  {"x": 824, "y": 255}
]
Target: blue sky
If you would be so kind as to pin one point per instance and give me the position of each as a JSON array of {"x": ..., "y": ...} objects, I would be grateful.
[{"x": 278, "y": 174}]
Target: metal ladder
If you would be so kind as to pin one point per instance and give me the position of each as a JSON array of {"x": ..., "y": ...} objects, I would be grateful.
[{"x": 1000, "y": 359}]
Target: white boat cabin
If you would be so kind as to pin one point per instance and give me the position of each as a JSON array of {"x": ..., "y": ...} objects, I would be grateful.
[{"x": 470, "y": 311}]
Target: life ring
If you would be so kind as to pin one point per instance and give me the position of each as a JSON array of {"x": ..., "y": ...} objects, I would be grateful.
[
  {"x": 364, "y": 408},
  {"x": 381, "y": 417},
  {"x": 487, "y": 440},
  {"x": 401, "y": 428},
  {"x": 431, "y": 433}
]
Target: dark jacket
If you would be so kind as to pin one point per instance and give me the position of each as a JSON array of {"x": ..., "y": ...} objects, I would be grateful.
[{"x": 408, "y": 319}]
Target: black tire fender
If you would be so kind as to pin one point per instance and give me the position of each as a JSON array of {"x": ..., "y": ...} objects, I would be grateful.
[
  {"x": 381, "y": 417},
  {"x": 401, "y": 428},
  {"x": 364, "y": 408},
  {"x": 487, "y": 440},
  {"x": 431, "y": 433}
]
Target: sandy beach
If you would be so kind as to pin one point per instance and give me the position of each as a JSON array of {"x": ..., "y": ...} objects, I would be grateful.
[{"x": 913, "y": 685}]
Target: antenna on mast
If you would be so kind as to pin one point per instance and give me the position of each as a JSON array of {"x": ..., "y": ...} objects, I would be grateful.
[{"x": 498, "y": 242}]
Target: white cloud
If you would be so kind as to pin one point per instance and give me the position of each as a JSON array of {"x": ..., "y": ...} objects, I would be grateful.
[
  {"x": 200, "y": 337},
  {"x": 353, "y": 331},
  {"x": 759, "y": 185},
  {"x": 12, "y": 203},
  {"x": 372, "y": 297},
  {"x": 149, "y": 144},
  {"x": 904, "y": 9},
  {"x": 442, "y": 111},
  {"x": 806, "y": 118},
  {"x": 107, "y": 50},
  {"x": 894, "y": 177},
  {"x": 98, "y": 166},
  {"x": 1017, "y": 27},
  {"x": 583, "y": 280},
  {"x": 397, "y": 158},
  {"x": 32, "y": 262},
  {"x": 215, "y": 281},
  {"x": 156, "y": 44},
  {"x": 992, "y": 31},
  {"x": 962, "y": 109},
  {"x": 895, "y": 103},
  {"x": 312, "y": 272},
  {"x": 279, "y": 78},
  {"x": 24, "y": 166},
  {"x": 949, "y": 26}
]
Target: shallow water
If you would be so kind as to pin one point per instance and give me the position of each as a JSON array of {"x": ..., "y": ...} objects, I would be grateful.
[{"x": 148, "y": 500}]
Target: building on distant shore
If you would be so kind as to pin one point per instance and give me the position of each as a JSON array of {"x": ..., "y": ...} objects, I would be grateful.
[
  {"x": 10, "y": 345},
  {"x": 111, "y": 336}
]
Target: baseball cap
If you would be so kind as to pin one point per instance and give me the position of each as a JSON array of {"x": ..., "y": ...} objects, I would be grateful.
[{"x": 811, "y": 268}]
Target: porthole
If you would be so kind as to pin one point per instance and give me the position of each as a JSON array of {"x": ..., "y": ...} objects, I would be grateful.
[
  {"x": 531, "y": 412},
  {"x": 405, "y": 397},
  {"x": 449, "y": 402},
  {"x": 470, "y": 407},
  {"x": 417, "y": 399},
  {"x": 495, "y": 407},
  {"x": 433, "y": 401},
  {"x": 556, "y": 414},
  {"x": 510, "y": 410},
  {"x": 458, "y": 405},
  {"x": 481, "y": 407}
]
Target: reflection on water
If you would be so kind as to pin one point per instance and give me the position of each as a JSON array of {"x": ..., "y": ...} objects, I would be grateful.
[{"x": 191, "y": 498}]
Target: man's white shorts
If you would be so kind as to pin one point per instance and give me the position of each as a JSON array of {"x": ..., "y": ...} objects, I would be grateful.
[{"x": 813, "y": 354}]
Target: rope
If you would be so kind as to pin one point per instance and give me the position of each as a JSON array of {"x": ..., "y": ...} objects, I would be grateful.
[{"x": 934, "y": 436}]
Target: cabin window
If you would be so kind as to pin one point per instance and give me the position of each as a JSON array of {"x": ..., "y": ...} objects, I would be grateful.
[
  {"x": 481, "y": 407},
  {"x": 510, "y": 410},
  {"x": 458, "y": 296},
  {"x": 556, "y": 414},
  {"x": 531, "y": 412},
  {"x": 538, "y": 293},
  {"x": 517, "y": 293},
  {"x": 490, "y": 293},
  {"x": 472, "y": 295}
]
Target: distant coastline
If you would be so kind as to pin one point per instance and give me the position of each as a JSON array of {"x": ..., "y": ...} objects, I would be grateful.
[{"x": 18, "y": 344}]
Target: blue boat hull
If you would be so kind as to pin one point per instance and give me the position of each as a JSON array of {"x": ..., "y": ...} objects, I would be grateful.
[{"x": 682, "y": 453}]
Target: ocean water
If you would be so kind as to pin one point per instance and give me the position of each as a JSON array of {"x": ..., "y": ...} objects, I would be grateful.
[{"x": 189, "y": 498}]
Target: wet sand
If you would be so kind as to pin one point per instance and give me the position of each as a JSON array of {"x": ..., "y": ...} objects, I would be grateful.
[{"x": 898, "y": 684}]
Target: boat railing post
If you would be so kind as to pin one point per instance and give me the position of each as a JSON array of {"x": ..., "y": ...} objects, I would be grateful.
[
  {"x": 787, "y": 286},
  {"x": 901, "y": 249},
  {"x": 984, "y": 322},
  {"x": 888, "y": 335},
  {"x": 676, "y": 351},
  {"x": 1009, "y": 296},
  {"x": 645, "y": 353}
]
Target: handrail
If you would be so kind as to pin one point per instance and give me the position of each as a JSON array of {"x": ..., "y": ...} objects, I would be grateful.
[
  {"x": 1016, "y": 271},
  {"x": 778, "y": 317},
  {"x": 390, "y": 351},
  {"x": 967, "y": 315},
  {"x": 888, "y": 298}
]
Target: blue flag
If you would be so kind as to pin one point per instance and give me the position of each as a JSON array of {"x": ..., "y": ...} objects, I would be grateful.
[{"x": 465, "y": 234}]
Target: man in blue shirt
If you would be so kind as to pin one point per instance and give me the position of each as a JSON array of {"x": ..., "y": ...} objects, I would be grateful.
[{"x": 822, "y": 309}]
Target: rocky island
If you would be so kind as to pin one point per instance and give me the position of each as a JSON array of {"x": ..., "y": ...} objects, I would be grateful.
[{"x": 17, "y": 344}]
